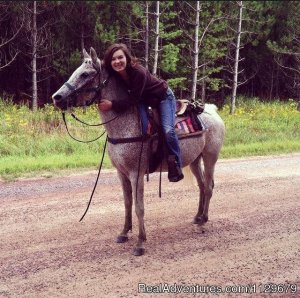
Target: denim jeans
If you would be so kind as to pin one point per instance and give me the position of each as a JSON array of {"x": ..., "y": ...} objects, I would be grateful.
[{"x": 167, "y": 117}]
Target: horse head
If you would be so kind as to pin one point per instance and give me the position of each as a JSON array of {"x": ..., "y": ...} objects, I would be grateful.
[{"x": 84, "y": 85}]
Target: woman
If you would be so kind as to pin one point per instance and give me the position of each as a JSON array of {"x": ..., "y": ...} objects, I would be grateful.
[{"x": 148, "y": 89}]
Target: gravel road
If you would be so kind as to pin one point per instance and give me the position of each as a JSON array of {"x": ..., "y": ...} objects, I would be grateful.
[{"x": 252, "y": 238}]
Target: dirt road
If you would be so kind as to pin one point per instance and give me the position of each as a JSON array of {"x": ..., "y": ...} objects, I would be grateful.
[{"x": 252, "y": 237}]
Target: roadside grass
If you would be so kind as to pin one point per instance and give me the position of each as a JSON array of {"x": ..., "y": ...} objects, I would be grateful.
[
  {"x": 38, "y": 144},
  {"x": 261, "y": 128}
]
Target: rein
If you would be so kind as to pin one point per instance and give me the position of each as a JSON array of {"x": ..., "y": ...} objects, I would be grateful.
[
  {"x": 77, "y": 119},
  {"x": 96, "y": 182},
  {"x": 110, "y": 120},
  {"x": 65, "y": 122}
]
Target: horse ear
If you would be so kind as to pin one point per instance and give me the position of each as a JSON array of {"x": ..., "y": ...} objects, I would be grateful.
[
  {"x": 93, "y": 54},
  {"x": 85, "y": 54}
]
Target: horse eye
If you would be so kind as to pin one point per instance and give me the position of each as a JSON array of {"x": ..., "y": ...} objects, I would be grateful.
[{"x": 84, "y": 75}]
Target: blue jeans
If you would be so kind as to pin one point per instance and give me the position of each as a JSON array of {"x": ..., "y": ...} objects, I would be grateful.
[{"x": 167, "y": 117}]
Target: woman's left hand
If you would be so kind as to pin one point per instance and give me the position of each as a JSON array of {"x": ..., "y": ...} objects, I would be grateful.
[{"x": 104, "y": 105}]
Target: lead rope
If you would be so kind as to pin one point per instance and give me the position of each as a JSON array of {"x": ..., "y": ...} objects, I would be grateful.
[
  {"x": 92, "y": 194},
  {"x": 99, "y": 124},
  {"x": 64, "y": 118},
  {"x": 160, "y": 171}
]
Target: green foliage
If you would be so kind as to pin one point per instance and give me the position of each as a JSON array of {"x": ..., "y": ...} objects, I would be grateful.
[
  {"x": 270, "y": 43},
  {"x": 177, "y": 83},
  {"x": 106, "y": 34},
  {"x": 75, "y": 59},
  {"x": 38, "y": 142},
  {"x": 261, "y": 128},
  {"x": 170, "y": 58},
  {"x": 35, "y": 142}
]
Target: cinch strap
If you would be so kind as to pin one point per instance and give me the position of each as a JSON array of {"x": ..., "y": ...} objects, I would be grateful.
[{"x": 127, "y": 140}]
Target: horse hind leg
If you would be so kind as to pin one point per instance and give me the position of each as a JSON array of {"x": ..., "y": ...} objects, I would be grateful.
[
  {"x": 209, "y": 161},
  {"x": 127, "y": 193},
  {"x": 196, "y": 169}
]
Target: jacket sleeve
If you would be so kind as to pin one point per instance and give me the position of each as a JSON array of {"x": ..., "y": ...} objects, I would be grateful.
[{"x": 122, "y": 105}]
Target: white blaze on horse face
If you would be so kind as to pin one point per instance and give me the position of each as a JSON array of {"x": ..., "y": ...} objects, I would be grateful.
[
  {"x": 83, "y": 74},
  {"x": 119, "y": 61}
]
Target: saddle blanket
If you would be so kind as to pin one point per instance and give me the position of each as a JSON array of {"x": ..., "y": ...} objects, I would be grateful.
[
  {"x": 191, "y": 124},
  {"x": 187, "y": 124}
]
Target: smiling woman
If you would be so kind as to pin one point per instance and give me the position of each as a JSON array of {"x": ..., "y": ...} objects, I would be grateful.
[
  {"x": 119, "y": 62},
  {"x": 144, "y": 88}
]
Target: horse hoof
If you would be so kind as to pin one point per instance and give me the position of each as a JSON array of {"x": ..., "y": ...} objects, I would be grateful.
[
  {"x": 200, "y": 220},
  {"x": 138, "y": 251},
  {"x": 122, "y": 239}
]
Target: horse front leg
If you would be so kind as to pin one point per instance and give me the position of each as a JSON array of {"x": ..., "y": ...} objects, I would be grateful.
[
  {"x": 138, "y": 190},
  {"x": 127, "y": 193}
]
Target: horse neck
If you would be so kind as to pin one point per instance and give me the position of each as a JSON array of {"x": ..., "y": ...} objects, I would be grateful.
[{"x": 125, "y": 124}]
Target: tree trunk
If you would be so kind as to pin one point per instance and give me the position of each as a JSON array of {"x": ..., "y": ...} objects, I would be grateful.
[
  {"x": 34, "y": 54},
  {"x": 196, "y": 53},
  {"x": 156, "y": 39},
  {"x": 147, "y": 36},
  {"x": 203, "y": 93},
  {"x": 82, "y": 28},
  {"x": 236, "y": 61}
]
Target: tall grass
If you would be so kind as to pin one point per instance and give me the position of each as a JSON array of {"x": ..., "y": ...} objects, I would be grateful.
[
  {"x": 38, "y": 141},
  {"x": 261, "y": 128},
  {"x": 35, "y": 142}
]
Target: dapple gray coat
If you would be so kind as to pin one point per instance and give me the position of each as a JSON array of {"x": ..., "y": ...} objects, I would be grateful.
[{"x": 124, "y": 157}]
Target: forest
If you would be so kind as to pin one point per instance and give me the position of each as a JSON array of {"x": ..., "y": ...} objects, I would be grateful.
[{"x": 206, "y": 50}]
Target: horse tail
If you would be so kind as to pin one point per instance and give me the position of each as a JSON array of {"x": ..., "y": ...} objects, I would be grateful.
[{"x": 189, "y": 179}]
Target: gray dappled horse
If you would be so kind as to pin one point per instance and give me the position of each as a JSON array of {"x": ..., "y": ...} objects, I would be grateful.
[{"x": 86, "y": 85}]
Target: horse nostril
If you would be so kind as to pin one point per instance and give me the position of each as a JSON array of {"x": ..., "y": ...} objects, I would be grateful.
[{"x": 57, "y": 97}]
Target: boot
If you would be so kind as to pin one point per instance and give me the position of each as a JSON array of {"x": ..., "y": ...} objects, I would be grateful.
[{"x": 174, "y": 170}]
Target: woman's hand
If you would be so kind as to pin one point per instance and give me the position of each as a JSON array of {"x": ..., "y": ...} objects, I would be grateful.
[{"x": 104, "y": 105}]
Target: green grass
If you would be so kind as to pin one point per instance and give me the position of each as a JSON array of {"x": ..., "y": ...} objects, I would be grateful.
[
  {"x": 37, "y": 143},
  {"x": 261, "y": 128}
]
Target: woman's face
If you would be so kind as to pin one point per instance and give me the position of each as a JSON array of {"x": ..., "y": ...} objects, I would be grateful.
[{"x": 119, "y": 61}]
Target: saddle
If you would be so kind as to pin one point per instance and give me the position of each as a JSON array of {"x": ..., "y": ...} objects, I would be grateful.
[
  {"x": 188, "y": 120},
  {"x": 188, "y": 123}
]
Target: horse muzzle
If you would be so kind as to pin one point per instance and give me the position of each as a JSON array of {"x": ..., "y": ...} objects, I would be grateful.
[{"x": 60, "y": 101}]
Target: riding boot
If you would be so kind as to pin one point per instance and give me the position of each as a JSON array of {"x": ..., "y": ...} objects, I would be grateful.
[{"x": 174, "y": 170}]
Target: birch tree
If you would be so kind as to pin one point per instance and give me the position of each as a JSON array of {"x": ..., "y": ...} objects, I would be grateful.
[
  {"x": 34, "y": 55},
  {"x": 147, "y": 34},
  {"x": 196, "y": 53},
  {"x": 38, "y": 43},
  {"x": 237, "y": 58},
  {"x": 156, "y": 49},
  {"x": 204, "y": 45}
]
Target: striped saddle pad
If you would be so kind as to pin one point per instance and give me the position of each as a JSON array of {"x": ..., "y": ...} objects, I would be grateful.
[{"x": 190, "y": 124}]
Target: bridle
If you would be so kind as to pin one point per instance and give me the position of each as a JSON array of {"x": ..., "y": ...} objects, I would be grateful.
[
  {"x": 97, "y": 90},
  {"x": 102, "y": 84}
]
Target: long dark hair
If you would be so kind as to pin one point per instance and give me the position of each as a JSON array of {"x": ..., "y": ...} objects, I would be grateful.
[{"x": 131, "y": 61}]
